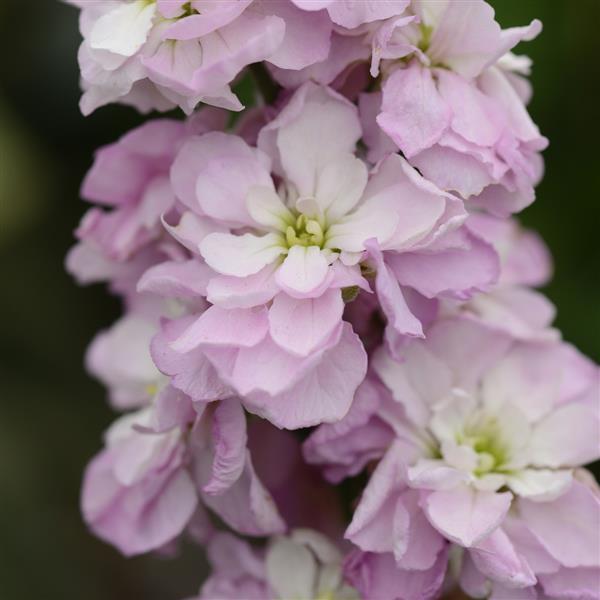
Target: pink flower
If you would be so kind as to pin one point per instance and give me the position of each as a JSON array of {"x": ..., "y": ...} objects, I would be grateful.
[
  {"x": 137, "y": 493},
  {"x": 284, "y": 257},
  {"x": 452, "y": 101},
  {"x": 491, "y": 424},
  {"x": 157, "y": 54},
  {"x": 142, "y": 490}
]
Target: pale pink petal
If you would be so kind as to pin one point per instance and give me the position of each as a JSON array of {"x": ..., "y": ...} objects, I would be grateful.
[
  {"x": 568, "y": 526},
  {"x": 457, "y": 273},
  {"x": 247, "y": 506},
  {"x": 469, "y": 51},
  {"x": 424, "y": 543},
  {"x": 413, "y": 113},
  {"x": 417, "y": 202},
  {"x": 228, "y": 431},
  {"x": 474, "y": 115},
  {"x": 213, "y": 173},
  {"x": 187, "y": 279},
  {"x": 323, "y": 394},
  {"x": 378, "y": 576},
  {"x": 350, "y": 14},
  {"x": 243, "y": 292},
  {"x": 266, "y": 208},
  {"x": 191, "y": 229},
  {"x": 418, "y": 382},
  {"x": 222, "y": 327},
  {"x": 579, "y": 583},
  {"x": 301, "y": 326},
  {"x": 496, "y": 557},
  {"x": 400, "y": 319},
  {"x": 343, "y": 449},
  {"x": 467, "y": 348},
  {"x": 465, "y": 515},
  {"x": 307, "y": 36},
  {"x": 371, "y": 525},
  {"x": 191, "y": 373},
  {"x": 435, "y": 474}
]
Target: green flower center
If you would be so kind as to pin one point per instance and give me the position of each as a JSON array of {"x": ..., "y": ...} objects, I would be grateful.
[
  {"x": 483, "y": 434},
  {"x": 305, "y": 232}
]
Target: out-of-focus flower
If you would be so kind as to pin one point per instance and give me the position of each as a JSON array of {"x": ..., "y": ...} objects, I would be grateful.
[
  {"x": 157, "y": 54},
  {"x": 303, "y": 564}
]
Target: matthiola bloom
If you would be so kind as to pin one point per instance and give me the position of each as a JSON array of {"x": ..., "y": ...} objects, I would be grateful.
[
  {"x": 453, "y": 102},
  {"x": 490, "y": 440},
  {"x": 303, "y": 564},
  {"x": 143, "y": 489},
  {"x": 288, "y": 255},
  {"x": 157, "y": 54}
]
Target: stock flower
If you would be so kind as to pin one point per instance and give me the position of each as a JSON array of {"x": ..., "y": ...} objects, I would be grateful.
[
  {"x": 142, "y": 490},
  {"x": 303, "y": 564},
  {"x": 490, "y": 439},
  {"x": 283, "y": 257},
  {"x": 157, "y": 54},
  {"x": 453, "y": 102}
]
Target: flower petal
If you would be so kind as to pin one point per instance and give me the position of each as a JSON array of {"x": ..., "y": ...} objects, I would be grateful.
[
  {"x": 240, "y": 255},
  {"x": 465, "y": 515},
  {"x": 302, "y": 326},
  {"x": 221, "y": 327},
  {"x": 304, "y": 271}
]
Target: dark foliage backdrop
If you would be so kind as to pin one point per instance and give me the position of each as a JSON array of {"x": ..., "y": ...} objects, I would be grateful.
[{"x": 52, "y": 415}]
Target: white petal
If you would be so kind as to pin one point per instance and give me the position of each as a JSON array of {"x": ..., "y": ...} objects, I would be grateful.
[
  {"x": 123, "y": 30},
  {"x": 540, "y": 485},
  {"x": 340, "y": 185},
  {"x": 240, "y": 255},
  {"x": 266, "y": 208},
  {"x": 304, "y": 270},
  {"x": 291, "y": 569},
  {"x": 373, "y": 220}
]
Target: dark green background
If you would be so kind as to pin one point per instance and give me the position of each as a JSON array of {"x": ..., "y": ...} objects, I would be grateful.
[{"x": 52, "y": 415}]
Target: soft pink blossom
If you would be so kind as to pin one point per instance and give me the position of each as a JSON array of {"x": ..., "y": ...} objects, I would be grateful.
[
  {"x": 452, "y": 103},
  {"x": 478, "y": 435},
  {"x": 156, "y": 54}
]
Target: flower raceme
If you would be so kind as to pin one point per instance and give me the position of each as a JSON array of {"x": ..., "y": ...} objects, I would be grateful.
[{"x": 343, "y": 258}]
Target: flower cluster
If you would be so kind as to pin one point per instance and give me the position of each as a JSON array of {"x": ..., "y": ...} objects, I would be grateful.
[{"x": 342, "y": 258}]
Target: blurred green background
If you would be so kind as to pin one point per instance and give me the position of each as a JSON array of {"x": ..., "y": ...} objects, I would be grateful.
[{"x": 52, "y": 415}]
